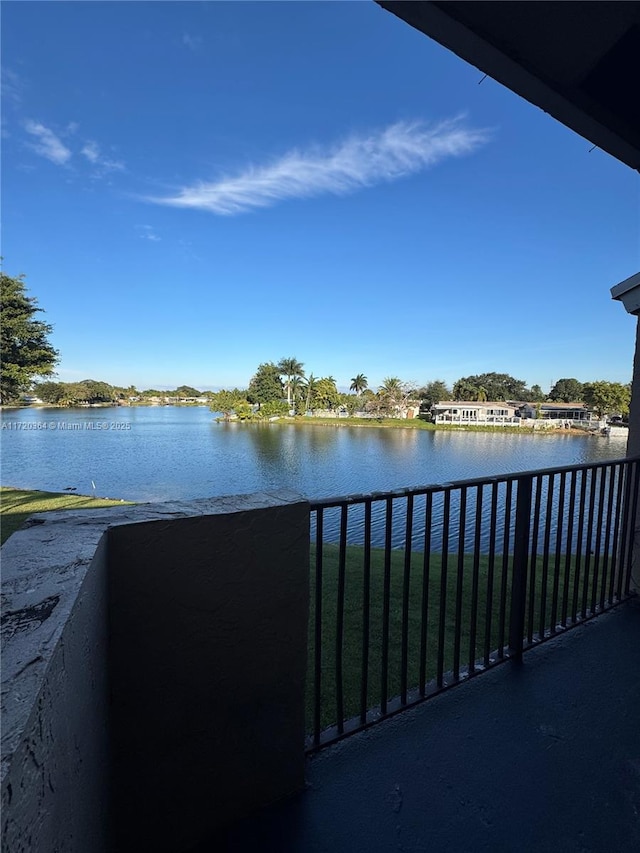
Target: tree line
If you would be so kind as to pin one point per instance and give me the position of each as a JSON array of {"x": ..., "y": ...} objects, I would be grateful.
[{"x": 275, "y": 388}]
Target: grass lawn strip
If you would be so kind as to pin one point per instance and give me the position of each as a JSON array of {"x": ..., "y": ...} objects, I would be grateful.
[
  {"x": 16, "y": 505},
  {"x": 456, "y": 610}
]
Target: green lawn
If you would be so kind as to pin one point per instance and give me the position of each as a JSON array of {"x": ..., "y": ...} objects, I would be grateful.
[
  {"x": 354, "y": 608},
  {"x": 16, "y": 505}
]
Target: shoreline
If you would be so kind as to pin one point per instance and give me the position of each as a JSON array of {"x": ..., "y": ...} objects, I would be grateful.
[{"x": 302, "y": 420}]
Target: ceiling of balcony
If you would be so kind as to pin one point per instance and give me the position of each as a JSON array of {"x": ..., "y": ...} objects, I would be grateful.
[{"x": 578, "y": 61}]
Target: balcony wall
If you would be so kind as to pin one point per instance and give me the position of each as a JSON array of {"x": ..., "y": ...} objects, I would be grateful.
[{"x": 153, "y": 671}]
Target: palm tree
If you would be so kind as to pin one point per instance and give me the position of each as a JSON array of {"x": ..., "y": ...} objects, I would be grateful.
[
  {"x": 392, "y": 393},
  {"x": 359, "y": 384},
  {"x": 290, "y": 367},
  {"x": 296, "y": 385},
  {"x": 311, "y": 385}
]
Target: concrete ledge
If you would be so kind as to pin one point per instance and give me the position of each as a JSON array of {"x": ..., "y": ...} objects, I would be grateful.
[{"x": 58, "y": 637}]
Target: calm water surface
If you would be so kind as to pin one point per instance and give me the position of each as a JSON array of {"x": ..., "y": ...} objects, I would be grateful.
[{"x": 162, "y": 453}]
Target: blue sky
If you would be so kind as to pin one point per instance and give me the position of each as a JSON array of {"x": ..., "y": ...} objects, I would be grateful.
[{"x": 194, "y": 188}]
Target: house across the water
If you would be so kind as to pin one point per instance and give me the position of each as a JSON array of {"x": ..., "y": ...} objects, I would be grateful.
[
  {"x": 475, "y": 413},
  {"x": 574, "y": 412}
]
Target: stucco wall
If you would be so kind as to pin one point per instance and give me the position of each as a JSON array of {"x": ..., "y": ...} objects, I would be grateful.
[
  {"x": 55, "y": 762},
  {"x": 153, "y": 671},
  {"x": 208, "y": 637}
]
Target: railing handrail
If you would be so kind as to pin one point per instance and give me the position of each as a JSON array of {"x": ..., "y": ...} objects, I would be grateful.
[
  {"x": 328, "y": 503},
  {"x": 442, "y": 574}
]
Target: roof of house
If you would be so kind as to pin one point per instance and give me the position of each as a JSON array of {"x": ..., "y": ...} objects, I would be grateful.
[{"x": 478, "y": 404}]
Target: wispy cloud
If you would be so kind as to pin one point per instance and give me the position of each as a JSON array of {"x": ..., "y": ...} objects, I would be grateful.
[
  {"x": 356, "y": 163},
  {"x": 146, "y": 232},
  {"x": 194, "y": 43},
  {"x": 47, "y": 144},
  {"x": 11, "y": 86},
  {"x": 91, "y": 151}
]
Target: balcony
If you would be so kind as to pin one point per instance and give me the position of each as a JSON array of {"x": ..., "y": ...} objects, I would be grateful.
[{"x": 155, "y": 660}]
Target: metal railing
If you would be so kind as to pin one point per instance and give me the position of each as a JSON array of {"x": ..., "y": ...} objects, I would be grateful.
[{"x": 416, "y": 590}]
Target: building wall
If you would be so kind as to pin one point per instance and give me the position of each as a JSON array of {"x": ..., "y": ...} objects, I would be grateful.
[
  {"x": 55, "y": 785},
  {"x": 208, "y": 638},
  {"x": 153, "y": 671}
]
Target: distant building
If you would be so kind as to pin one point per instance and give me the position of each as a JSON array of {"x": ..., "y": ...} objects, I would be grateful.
[
  {"x": 474, "y": 413},
  {"x": 575, "y": 412}
]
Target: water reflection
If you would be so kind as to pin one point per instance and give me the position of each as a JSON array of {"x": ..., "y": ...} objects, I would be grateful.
[{"x": 182, "y": 453}]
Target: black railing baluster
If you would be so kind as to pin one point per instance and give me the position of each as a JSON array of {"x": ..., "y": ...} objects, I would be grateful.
[
  {"x": 366, "y": 605},
  {"x": 426, "y": 572},
  {"x": 342, "y": 562},
  {"x": 542, "y": 625},
  {"x": 520, "y": 560},
  {"x": 632, "y": 526},
  {"x": 317, "y": 649},
  {"x": 588, "y": 550},
  {"x": 615, "y": 555},
  {"x": 444, "y": 564},
  {"x": 558, "y": 555},
  {"x": 626, "y": 532},
  {"x": 599, "y": 523},
  {"x": 569, "y": 541},
  {"x": 607, "y": 535},
  {"x": 475, "y": 582},
  {"x": 406, "y": 581},
  {"x": 386, "y": 605},
  {"x": 589, "y": 529},
  {"x": 502, "y": 618},
  {"x": 457, "y": 635},
  {"x": 490, "y": 575},
  {"x": 579, "y": 546},
  {"x": 535, "y": 534}
]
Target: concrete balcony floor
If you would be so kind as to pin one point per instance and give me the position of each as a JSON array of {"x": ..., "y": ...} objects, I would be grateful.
[{"x": 540, "y": 756}]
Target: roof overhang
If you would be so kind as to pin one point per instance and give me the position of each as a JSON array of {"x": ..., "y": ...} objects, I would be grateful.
[
  {"x": 577, "y": 61},
  {"x": 628, "y": 292}
]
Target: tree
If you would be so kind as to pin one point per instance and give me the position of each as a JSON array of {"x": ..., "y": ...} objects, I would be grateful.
[
  {"x": 297, "y": 387},
  {"x": 291, "y": 368},
  {"x": 273, "y": 409},
  {"x": 359, "y": 384},
  {"x": 186, "y": 391},
  {"x": 326, "y": 394},
  {"x": 228, "y": 402},
  {"x": 566, "y": 391},
  {"x": 93, "y": 391},
  {"x": 392, "y": 395},
  {"x": 490, "y": 386},
  {"x": 25, "y": 351},
  {"x": 606, "y": 398},
  {"x": 536, "y": 394},
  {"x": 51, "y": 392},
  {"x": 433, "y": 393},
  {"x": 266, "y": 384},
  {"x": 310, "y": 388}
]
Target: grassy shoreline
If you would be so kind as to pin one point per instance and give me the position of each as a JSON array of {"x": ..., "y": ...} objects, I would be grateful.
[{"x": 16, "y": 505}]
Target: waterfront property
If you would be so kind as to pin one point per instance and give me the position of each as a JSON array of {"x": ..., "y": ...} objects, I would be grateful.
[
  {"x": 576, "y": 413},
  {"x": 154, "y": 662},
  {"x": 474, "y": 413},
  {"x": 165, "y": 661}
]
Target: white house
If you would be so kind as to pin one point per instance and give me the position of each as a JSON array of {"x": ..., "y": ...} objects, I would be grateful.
[
  {"x": 575, "y": 412},
  {"x": 476, "y": 413}
]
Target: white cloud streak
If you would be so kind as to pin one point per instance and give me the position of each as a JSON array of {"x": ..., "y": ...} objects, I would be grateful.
[
  {"x": 146, "y": 232},
  {"x": 47, "y": 144},
  {"x": 91, "y": 150},
  {"x": 194, "y": 43},
  {"x": 358, "y": 162}
]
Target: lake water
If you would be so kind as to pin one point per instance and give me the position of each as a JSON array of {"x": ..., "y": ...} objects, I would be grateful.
[{"x": 164, "y": 453}]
